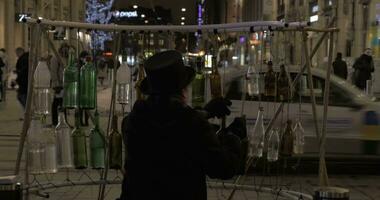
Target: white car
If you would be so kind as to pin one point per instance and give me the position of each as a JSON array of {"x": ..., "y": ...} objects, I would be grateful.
[{"x": 352, "y": 115}]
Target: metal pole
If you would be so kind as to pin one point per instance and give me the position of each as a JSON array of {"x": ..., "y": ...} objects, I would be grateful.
[
  {"x": 36, "y": 32},
  {"x": 112, "y": 112},
  {"x": 323, "y": 178}
]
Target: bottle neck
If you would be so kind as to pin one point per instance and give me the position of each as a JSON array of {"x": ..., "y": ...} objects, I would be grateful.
[
  {"x": 61, "y": 117},
  {"x": 114, "y": 124}
]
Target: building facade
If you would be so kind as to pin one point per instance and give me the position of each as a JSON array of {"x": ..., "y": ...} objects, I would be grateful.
[{"x": 15, "y": 34}]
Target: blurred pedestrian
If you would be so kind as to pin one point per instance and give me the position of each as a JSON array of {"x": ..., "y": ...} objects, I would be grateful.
[
  {"x": 171, "y": 147},
  {"x": 56, "y": 73},
  {"x": 363, "y": 68},
  {"x": 83, "y": 113},
  {"x": 4, "y": 71},
  {"x": 22, "y": 70},
  {"x": 340, "y": 66}
]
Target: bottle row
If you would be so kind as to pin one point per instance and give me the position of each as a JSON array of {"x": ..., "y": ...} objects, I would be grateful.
[{"x": 64, "y": 147}]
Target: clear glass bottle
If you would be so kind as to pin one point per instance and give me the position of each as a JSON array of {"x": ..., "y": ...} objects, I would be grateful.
[
  {"x": 123, "y": 79},
  {"x": 42, "y": 91},
  {"x": 257, "y": 136},
  {"x": 215, "y": 80},
  {"x": 36, "y": 150},
  {"x": 50, "y": 153},
  {"x": 97, "y": 145},
  {"x": 115, "y": 146},
  {"x": 270, "y": 82},
  {"x": 273, "y": 145},
  {"x": 253, "y": 79},
  {"x": 198, "y": 86},
  {"x": 87, "y": 85},
  {"x": 287, "y": 140},
  {"x": 299, "y": 138},
  {"x": 79, "y": 145},
  {"x": 70, "y": 84},
  {"x": 283, "y": 89},
  {"x": 64, "y": 142}
]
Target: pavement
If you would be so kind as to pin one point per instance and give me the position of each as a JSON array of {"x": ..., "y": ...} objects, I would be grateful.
[{"x": 66, "y": 185}]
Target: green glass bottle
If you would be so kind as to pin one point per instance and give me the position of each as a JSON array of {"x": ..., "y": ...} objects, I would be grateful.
[
  {"x": 115, "y": 146},
  {"x": 87, "y": 85},
  {"x": 70, "y": 84},
  {"x": 198, "y": 86},
  {"x": 79, "y": 144},
  {"x": 97, "y": 145}
]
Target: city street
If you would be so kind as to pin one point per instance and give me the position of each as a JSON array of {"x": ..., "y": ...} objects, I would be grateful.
[{"x": 362, "y": 187}]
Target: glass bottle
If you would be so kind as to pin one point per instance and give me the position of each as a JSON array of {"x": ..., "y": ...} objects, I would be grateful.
[
  {"x": 140, "y": 78},
  {"x": 64, "y": 143},
  {"x": 97, "y": 145},
  {"x": 283, "y": 89},
  {"x": 36, "y": 151},
  {"x": 270, "y": 82},
  {"x": 42, "y": 94},
  {"x": 299, "y": 138},
  {"x": 50, "y": 155},
  {"x": 253, "y": 79},
  {"x": 198, "y": 86},
  {"x": 115, "y": 146},
  {"x": 215, "y": 80},
  {"x": 87, "y": 85},
  {"x": 257, "y": 135},
  {"x": 79, "y": 145},
  {"x": 273, "y": 145},
  {"x": 123, "y": 79},
  {"x": 70, "y": 84},
  {"x": 287, "y": 140}
]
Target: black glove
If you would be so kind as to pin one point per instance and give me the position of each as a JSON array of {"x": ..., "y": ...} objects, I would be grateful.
[
  {"x": 57, "y": 90},
  {"x": 218, "y": 107}
]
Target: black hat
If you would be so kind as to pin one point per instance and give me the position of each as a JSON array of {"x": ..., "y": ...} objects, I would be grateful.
[{"x": 166, "y": 74}]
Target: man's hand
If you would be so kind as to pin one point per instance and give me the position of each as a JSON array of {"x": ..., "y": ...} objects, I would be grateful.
[{"x": 218, "y": 107}]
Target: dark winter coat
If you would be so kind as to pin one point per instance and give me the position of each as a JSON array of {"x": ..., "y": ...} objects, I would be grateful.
[
  {"x": 363, "y": 67},
  {"x": 171, "y": 149},
  {"x": 22, "y": 73},
  {"x": 340, "y": 68}
]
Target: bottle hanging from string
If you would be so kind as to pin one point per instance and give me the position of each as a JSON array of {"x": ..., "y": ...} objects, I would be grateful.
[
  {"x": 97, "y": 145},
  {"x": 283, "y": 84},
  {"x": 257, "y": 136},
  {"x": 42, "y": 95},
  {"x": 270, "y": 81},
  {"x": 253, "y": 79},
  {"x": 50, "y": 155},
  {"x": 36, "y": 150},
  {"x": 198, "y": 85},
  {"x": 273, "y": 145},
  {"x": 70, "y": 84},
  {"x": 115, "y": 146},
  {"x": 287, "y": 140},
  {"x": 215, "y": 79},
  {"x": 79, "y": 144},
  {"x": 299, "y": 138},
  {"x": 88, "y": 85},
  {"x": 123, "y": 79},
  {"x": 64, "y": 142}
]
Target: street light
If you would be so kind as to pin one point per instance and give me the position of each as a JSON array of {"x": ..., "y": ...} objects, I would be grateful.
[
  {"x": 183, "y": 18},
  {"x": 142, "y": 16},
  {"x": 183, "y": 9},
  {"x": 135, "y": 6}
]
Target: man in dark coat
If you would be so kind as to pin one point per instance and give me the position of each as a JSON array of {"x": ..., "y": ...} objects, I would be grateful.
[
  {"x": 170, "y": 146},
  {"x": 340, "y": 66},
  {"x": 22, "y": 69},
  {"x": 363, "y": 67}
]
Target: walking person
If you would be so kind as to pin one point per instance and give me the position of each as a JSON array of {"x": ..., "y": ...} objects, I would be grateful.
[
  {"x": 22, "y": 70},
  {"x": 4, "y": 69},
  {"x": 363, "y": 68},
  {"x": 340, "y": 66},
  {"x": 171, "y": 147},
  {"x": 56, "y": 73}
]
